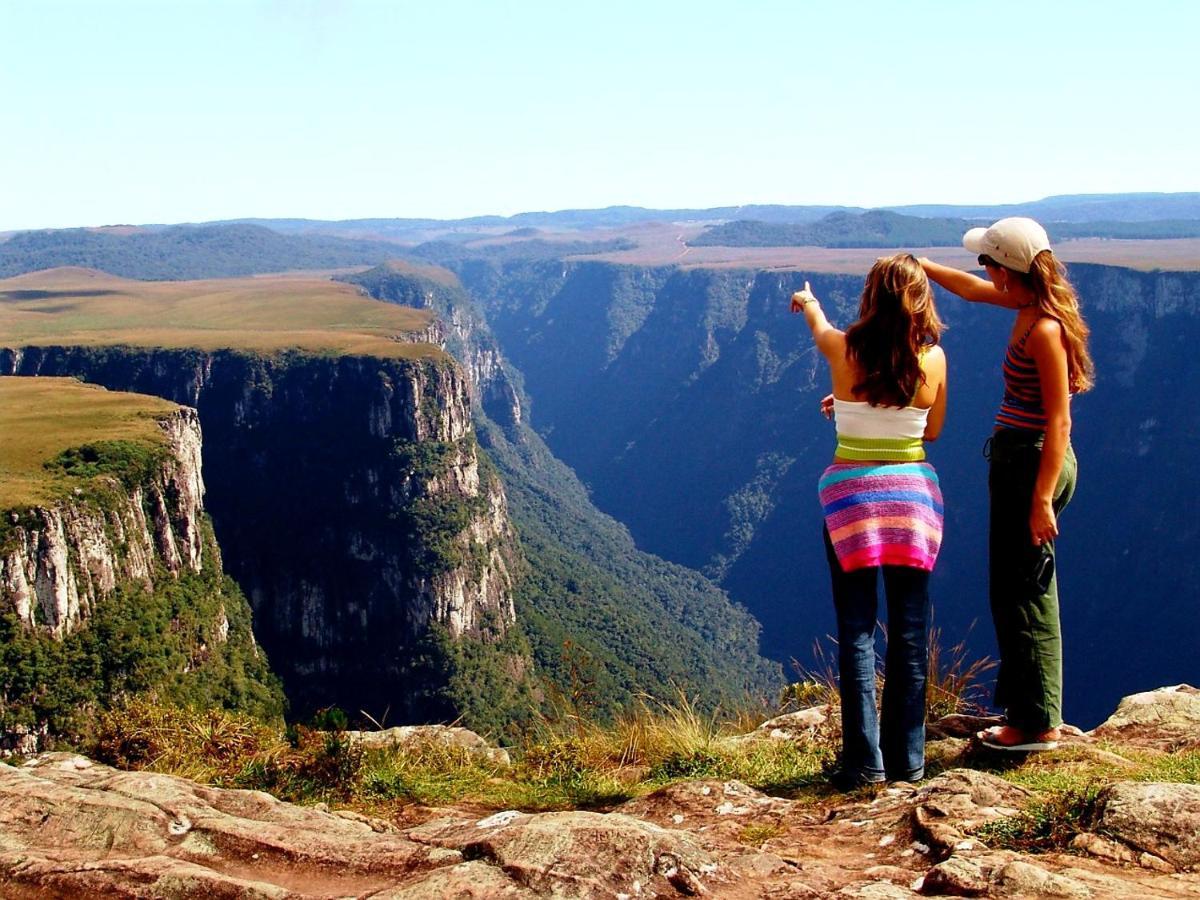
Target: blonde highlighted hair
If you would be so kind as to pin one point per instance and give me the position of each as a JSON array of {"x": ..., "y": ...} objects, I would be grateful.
[
  {"x": 1056, "y": 298},
  {"x": 897, "y": 319}
]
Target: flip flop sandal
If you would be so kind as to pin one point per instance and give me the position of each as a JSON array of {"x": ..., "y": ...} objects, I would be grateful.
[{"x": 989, "y": 739}]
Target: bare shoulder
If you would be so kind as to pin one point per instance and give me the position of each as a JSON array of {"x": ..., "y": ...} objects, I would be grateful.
[
  {"x": 933, "y": 360},
  {"x": 1046, "y": 334},
  {"x": 935, "y": 354}
]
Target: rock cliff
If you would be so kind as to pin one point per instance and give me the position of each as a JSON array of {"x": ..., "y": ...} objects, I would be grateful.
[
  {"x": 58, "y": 560},
  {"x": 110, "y": 577},
  {"x": 635, "y": 623},
  {"x": 458, "y": 329},
  {"x": 349, "y": 502}
]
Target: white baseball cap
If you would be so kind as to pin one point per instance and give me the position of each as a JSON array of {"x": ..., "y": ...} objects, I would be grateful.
[{"x": 1012, "y": 242}]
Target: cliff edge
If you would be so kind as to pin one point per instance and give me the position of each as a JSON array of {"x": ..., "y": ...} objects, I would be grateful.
[{"x": 110, "y": 578}]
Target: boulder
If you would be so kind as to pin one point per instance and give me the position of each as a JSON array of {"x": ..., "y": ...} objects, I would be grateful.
[
  {"x": 954, "y": 804},
  {"x": 413, "y": 736},
  {"x": 69, "y": 826},
  {"x": 956, "y": 876},
  {"x": 1160, "y": 819},
  {"x": 1167, "y": 718},
  {"x": 581, "y": 854},
  {"x": 693, "y": 804},
  {"x": 803, "y": 724},
  {"x": 1022, "y": 879}
]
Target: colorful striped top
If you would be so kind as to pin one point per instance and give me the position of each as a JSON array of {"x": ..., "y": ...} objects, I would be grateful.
[
  {"x": 1022, "y": 404},
  {"x": 888, "y": 514}
]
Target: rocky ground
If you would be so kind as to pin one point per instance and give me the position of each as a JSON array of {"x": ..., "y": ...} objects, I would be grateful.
[{"x": 70, "y": 827}]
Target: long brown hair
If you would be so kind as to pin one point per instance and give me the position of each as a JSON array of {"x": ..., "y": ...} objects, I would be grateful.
[
  {"x": 1056, "y": 298},
  {"x": 896, "y": 319}
]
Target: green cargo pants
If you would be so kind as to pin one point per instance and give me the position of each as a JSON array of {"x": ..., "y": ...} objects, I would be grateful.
[{"x": 1023, "y": 583}]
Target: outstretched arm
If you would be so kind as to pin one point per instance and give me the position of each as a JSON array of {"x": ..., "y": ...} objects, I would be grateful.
[
  {"x": 824, "y": 335},
  {"x": 970, "y": 287}
]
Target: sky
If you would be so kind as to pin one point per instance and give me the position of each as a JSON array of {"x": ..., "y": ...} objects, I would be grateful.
[{"x": 171, "y": 111}]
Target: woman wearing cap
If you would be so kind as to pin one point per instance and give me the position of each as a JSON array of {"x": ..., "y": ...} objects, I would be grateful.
[
  {"x": 883, "y": 509},
  {"x": 1032, "y": 466}
]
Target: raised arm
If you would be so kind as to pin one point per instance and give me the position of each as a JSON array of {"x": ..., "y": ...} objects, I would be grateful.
[
  {"x": 970, "y": 287},
  {"x": 828, "y": 339}
]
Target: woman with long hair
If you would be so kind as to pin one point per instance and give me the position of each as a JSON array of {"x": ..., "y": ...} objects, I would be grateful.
[
  {"x": 1032, "y": 466},
  {"x": 883, "y": 510}
]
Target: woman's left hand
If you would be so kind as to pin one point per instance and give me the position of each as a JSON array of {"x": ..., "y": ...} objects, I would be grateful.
[
  {"x": 1043, "y": 524},
  {"x": 827, "y": 406}
]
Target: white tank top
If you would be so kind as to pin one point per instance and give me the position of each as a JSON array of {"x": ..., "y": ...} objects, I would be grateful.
[
  {"x": 858, "y": 418},
  {"x": 869, "y": 432}
]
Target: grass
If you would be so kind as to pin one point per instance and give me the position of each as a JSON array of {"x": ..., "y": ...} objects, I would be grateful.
[
  {"x": 81, "y": 307},
  {"x": 566, "y": 760},
  {"x": 1066, "y": 784},
  {"x": 41, "y": 418},
  {"x": 953, "y": 682},
  {"x": 561, "y": 763}
]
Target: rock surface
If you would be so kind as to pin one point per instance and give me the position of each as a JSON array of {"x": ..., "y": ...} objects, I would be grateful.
[
  {"x": 1166, "y": 718},
  {"x": 441, "y": 735},
  {"x": 72, "y": 828},
  {"x": 1161, "y": 819}
]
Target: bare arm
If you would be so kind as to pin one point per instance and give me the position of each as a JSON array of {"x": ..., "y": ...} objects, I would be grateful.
[
  {"x": 1045, "y": 347},
  {"x": 970, "y": 287},
  {"x": 935, "y": 371},
  {"x": 827, "y": 338}
]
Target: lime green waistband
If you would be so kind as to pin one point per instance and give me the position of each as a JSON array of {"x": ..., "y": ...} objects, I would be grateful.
[{"x": 899, "y": 449}]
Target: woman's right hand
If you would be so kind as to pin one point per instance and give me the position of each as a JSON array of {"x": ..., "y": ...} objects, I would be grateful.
[
  {"x": 827, "y": 406},
  {"x": 800, "y": 298}
]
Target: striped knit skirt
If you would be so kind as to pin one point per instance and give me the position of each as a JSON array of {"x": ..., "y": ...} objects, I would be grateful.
[{"x": 883, "y": 514}]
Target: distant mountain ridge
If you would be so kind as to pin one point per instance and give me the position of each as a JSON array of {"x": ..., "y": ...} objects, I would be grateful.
[
  {"x": 882, "y": 228},
  {"x": 230, "y": 250},
  {"x": 1125, "y": 207}
]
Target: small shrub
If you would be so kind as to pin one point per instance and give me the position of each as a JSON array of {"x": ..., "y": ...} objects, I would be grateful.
[
  {"x": 133, "y": 462},
  {"x": 1046, "y": 824},
  {"x": 322, "y": 766}
]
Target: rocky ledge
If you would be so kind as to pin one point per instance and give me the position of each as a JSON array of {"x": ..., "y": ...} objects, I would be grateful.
[
  {"x": 59, "y": 559},
  {"x": 71, "y": 827}
]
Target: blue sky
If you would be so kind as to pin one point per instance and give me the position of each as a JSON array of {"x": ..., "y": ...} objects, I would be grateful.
[{"x": 116, "y": 112}]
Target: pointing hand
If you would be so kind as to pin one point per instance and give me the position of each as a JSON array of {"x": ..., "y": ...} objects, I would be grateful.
[{"x": 801, "y": 298}]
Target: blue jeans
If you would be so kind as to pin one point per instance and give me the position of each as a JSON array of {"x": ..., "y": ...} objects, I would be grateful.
[{"x": 891, "y": 745}]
